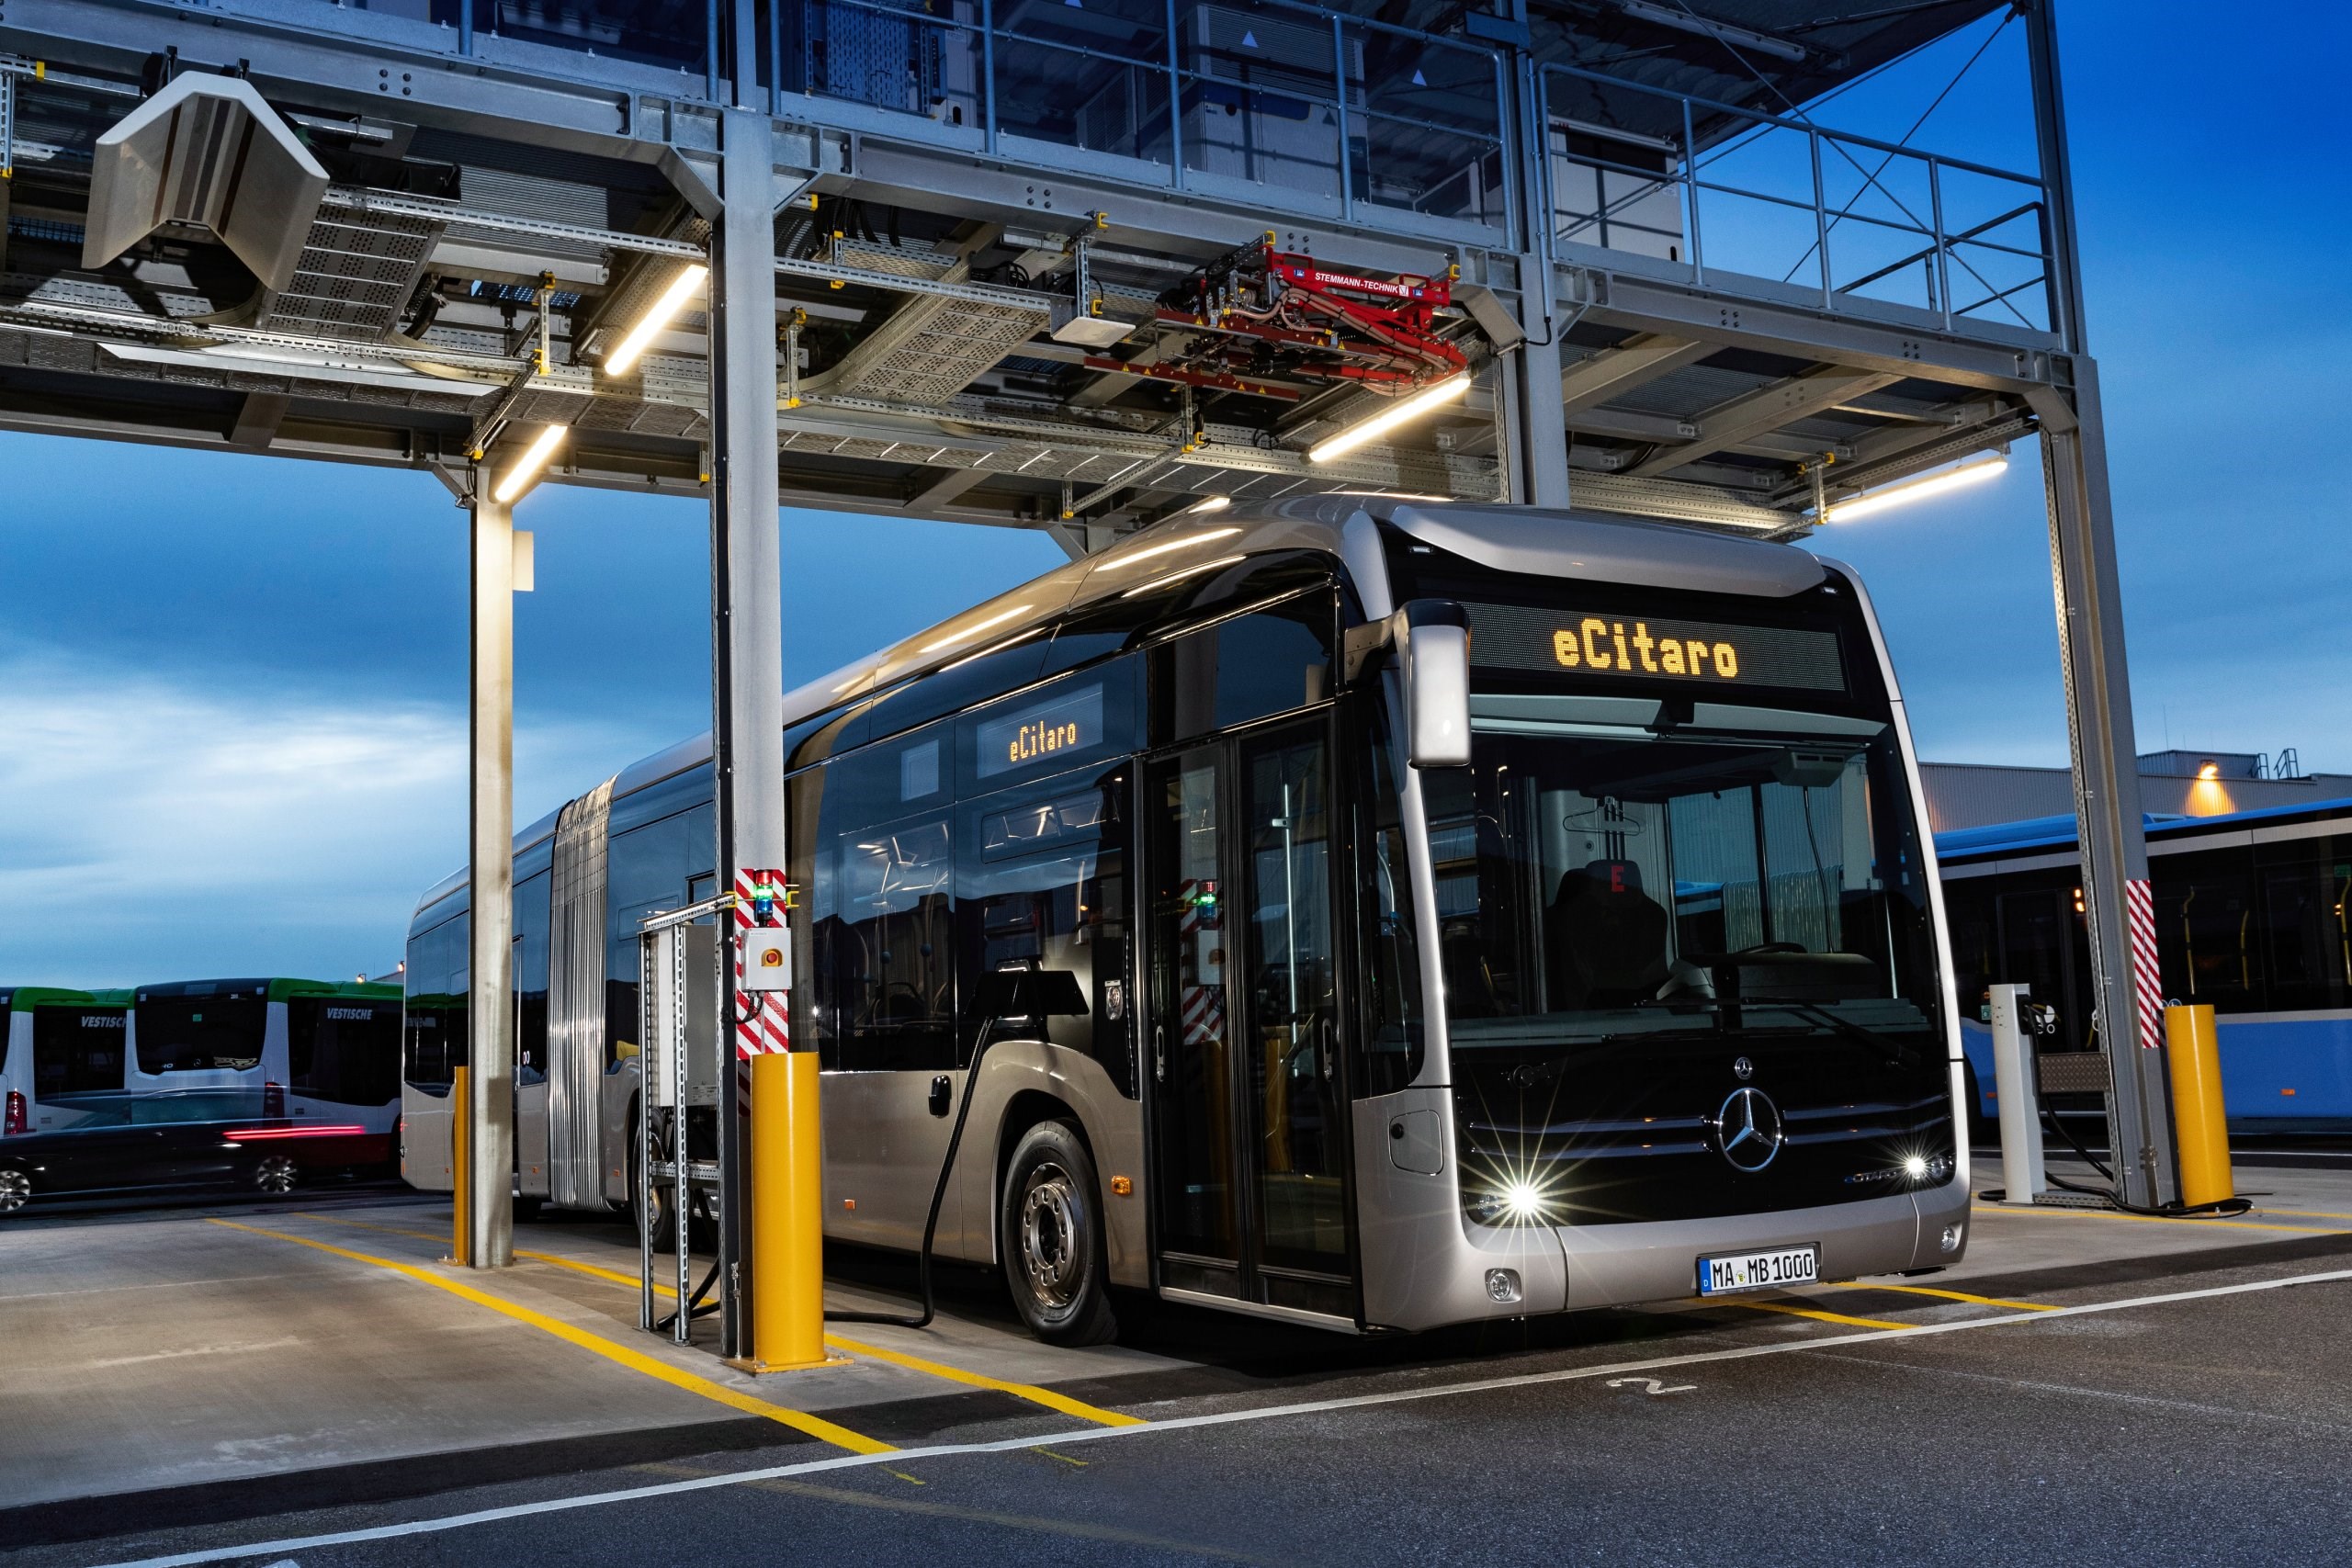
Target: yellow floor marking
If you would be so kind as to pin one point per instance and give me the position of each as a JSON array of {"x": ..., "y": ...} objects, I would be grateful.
[
  {"x": 1948, "y": 1295},
  {"x": 1029, "y": 1391},
  {"x": 2038, "y": 1209},
  {"x": 1064, "y": 1458},
  {"x": 1814, "y": 1313},
  {"x": 635, "y": 1361},
  {"x": 1035, "y": 1395},
  {"x": 902, "y": 1475},
  {"x": 2301, "y": 1213}
]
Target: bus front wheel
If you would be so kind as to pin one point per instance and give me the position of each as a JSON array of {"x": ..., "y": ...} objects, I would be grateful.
[{"x": 1051, "y": 1239}]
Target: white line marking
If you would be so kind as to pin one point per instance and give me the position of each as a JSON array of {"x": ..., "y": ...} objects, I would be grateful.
[
  {"x": 190, "y": 1350},
  {"x": 1653, "y": 1385},
  {"x": 1183, "y": 1423}
]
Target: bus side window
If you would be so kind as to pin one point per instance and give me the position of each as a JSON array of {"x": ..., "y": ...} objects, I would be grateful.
[
  {"x": 2306, "y": 932},
  {"x": 1042, "y": 882},
  {"x": 1268, "y": 662},
  {"x": 435, "y": 1014},
  {"x": 894, "y": 979},
  {"x": 2205, "y": 929}
]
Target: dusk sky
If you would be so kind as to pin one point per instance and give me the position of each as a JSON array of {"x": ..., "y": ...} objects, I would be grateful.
[{"x": 232, "y": 688}]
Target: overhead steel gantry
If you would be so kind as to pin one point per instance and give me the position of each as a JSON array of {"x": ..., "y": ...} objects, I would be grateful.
[{"x": 951, "y": 244}]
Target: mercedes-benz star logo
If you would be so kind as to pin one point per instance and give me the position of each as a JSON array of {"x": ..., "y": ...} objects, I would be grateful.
[
  {"x": 1743, "y": 1069},
  {"x": 1748, "y": 1130}
]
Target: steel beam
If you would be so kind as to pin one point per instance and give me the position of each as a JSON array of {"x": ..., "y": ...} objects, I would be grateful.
[
  {"x": 1762, "y": 411},
  {"x": 1600, "y": 378},
  {"x": 1640, "y": 304},
  {"x": 489, "y": 1130},
  {"x": 2107, "y": 788},
  {"x": 747, "y": 615}
]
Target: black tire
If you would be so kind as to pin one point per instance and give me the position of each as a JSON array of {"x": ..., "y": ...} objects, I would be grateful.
[
  {"x": 1049, "y": 1233},
  {"x": 16, "y": 1189},
  {"x": 662, "y": 1224}
]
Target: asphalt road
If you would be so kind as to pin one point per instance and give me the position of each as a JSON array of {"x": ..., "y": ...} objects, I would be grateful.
[{"x": 2155, "y": 1423}]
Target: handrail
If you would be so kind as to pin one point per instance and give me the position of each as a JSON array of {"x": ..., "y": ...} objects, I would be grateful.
[
  {"x": 1803, "y": 127},
  {"x": 1948, "y": 240}
]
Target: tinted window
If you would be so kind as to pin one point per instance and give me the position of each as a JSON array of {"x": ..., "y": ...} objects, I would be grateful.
[
  {"x": 2205, "y": 928},
  {"x": 344, "y": 1049},
  {"x": 650, "y": 868},
  {"x": 1048, "y": 730},
  {"x": 1042, "y": 884},
  {"x": 2307, "y": 939},
  {"x": 187, "y": 1033},
  {"x": 890, "y": 945},
  {"x": 436, "y": 976},
  {"x": 531, "y": 917},
  {"x": 960, "y": 686},
  {"x": 1268, "y": 662},
  {"x": 1391, "y": 949},
  {"x": 77, "y": 1048}
]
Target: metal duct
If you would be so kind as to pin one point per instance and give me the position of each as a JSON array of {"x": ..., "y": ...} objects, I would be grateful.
[{"x": 206, "y": 150}]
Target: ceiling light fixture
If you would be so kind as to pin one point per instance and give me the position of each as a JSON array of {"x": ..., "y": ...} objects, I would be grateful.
[
  {"x": 527, "y": 468},
  {"x": 1918, "y": 489},
  {"x": 682, "y": 287},
  {"x": 1389, "y": 419}
]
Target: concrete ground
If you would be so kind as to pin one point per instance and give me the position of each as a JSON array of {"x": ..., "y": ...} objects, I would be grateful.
[{"x": 303, "y": 1381}]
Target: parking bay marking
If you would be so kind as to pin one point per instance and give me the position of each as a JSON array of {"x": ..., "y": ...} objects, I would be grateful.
[
  {"x": 635, "y": 1361},
  {"x": 1216, "y": 1419},
  {"x": 1061, "y": 1403}
]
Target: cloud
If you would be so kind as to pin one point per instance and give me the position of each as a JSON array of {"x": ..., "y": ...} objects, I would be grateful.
[{"x": 232, "y": 823}]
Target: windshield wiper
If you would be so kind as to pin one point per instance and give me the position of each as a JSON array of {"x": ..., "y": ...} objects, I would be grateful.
[{"x": 1896, "y": 1051}]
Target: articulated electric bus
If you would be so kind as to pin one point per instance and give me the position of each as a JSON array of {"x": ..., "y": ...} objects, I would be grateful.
[
  {"x": 2252, "y": 917},
  {"x": 1444, "y": 912}
]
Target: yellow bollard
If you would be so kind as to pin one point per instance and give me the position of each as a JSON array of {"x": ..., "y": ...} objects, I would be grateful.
[
  {"x": 458, "y": 1120},
  {"x": 2193, "y": 1046},
  {"x": 787, "y": 1214}
]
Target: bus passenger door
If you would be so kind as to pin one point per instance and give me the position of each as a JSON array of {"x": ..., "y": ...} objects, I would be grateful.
[
  {"x": 1244, "y": 1055},
  {"x": 530, "y": 1078}
]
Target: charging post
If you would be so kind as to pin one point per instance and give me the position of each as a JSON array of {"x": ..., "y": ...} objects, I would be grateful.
[{"x": 2018, "y": 1087}]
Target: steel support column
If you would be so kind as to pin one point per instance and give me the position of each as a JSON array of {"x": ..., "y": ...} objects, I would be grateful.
[
  {"x": 2107, "y": 790},
  {"x": 2098, "y": 692},
  {"x": 1539, "y": 433},
  {"x": 746, "y": 569},
  {"x": 489, "y": 1130}
]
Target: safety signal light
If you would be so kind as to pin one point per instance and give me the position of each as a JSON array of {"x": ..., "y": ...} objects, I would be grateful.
[
  {"x": 15, "y": 1121},
  {"x": 682, "y": 287}
]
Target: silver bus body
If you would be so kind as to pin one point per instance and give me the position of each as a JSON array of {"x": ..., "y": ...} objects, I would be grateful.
[{"x": 1403, "y": 1245}]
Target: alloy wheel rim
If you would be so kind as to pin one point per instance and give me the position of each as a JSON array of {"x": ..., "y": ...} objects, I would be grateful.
[
  {"x": 276, "y": 1174},
  {"x": 1048, "y": 1237},
  {"x": 15, "y": 1191}
]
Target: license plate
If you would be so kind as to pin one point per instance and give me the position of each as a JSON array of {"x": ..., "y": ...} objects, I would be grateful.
[{"x": 1727, "y": 1272}]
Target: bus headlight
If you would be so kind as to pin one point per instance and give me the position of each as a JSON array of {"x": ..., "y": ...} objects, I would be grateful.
[{"x": 1516, "y": 1202}]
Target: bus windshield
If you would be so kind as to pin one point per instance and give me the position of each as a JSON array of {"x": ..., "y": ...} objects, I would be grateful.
[
  {"x": 183, "y": 1030},
  {"x": 1611, "y": 868}
]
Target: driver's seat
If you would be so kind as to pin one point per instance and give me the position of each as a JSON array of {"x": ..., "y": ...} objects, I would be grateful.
[{"x": 1606, "y": 938}]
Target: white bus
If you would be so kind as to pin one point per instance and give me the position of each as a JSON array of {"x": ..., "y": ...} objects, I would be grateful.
[{"x": 1602, "y": 965}]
